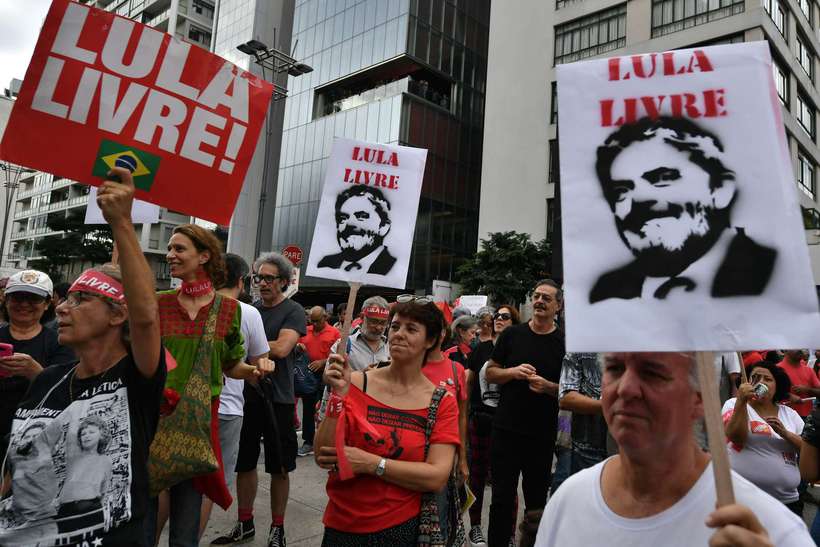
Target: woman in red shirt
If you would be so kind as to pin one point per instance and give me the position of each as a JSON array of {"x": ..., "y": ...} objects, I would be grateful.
[{"x": 375, "y": 487}]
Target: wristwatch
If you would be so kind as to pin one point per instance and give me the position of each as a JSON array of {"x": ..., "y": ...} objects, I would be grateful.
[{"x": 380, "y": 469}]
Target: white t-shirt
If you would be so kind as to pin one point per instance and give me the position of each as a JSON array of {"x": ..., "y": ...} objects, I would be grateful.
[
  {"x": 578, "y": 515},
  {"x": 767, "y": 459},
  {"x": 231, "y": 400},
  {"x": 730, "y": 360}
]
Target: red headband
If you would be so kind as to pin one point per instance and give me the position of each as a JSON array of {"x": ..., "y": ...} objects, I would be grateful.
[
  {"x": 376, "y": 312},
  {"x": 94, "y": 282}
]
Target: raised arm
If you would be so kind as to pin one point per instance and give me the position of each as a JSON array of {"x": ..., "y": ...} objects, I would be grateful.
[
  {"x": 115, "y": 200},
  {"x": 737, "y": 428}
]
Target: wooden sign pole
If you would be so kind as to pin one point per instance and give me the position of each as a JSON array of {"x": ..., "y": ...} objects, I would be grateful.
[
  {"x": 348, "y": 319},
  {"x": 714, "y": 428},
  {"x": 743, "y": 377}
]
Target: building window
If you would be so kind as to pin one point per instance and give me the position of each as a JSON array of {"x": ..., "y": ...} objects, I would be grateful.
[
  {"x": 805, "y": 57},
  {"x": 550, "y": 216},
  {"x": 564, "y": 3},
  {"x": 781, "y": 82},
  {"x": 673, "y": 15},
  {"x": 805, "y": 7},
  {"x": 805, "y": 115},
  {"x": 554, "y": 103},
  {"x": 204, "y": 9},
  {"x": 778, "y": 14},
  {"x": 199, "y": 36},
  {"x": 591, "y": 35},
  {"x": 554, "y": 173},
  {"x": 805, "y": 175}
]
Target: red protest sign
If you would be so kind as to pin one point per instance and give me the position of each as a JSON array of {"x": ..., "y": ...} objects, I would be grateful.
[
  {"x": 293, "y": 253},
  {"x": 102, "y": 87}
]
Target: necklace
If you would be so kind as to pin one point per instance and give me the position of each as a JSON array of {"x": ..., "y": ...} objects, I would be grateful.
[{"x": 71, "y": 382}]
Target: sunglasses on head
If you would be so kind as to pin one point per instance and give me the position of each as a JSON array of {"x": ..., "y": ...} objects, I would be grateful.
[
  {"x": 421, "y": 300},
  {"x": 502, "y": 316}
]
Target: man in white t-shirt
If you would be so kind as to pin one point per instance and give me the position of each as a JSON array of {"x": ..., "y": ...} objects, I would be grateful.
[
  {"x": 231, "y": 400},
  {"x": 660, "y": 489}
]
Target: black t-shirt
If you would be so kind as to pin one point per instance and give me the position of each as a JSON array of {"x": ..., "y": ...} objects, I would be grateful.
[
  {"x": 43, "y": 348},
  {"x": 285, "y": 315},
  {"x": 480, "y": 355},
  {"x": 78, "y": 457},
  {"x": 521, "y": 410}
]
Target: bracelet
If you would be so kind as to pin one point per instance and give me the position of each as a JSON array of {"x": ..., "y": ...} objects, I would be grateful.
[{"x": 335, "y": 405}]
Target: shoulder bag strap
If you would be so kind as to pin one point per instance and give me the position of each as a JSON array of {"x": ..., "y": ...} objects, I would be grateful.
[
  {"x": 206, "y": 341},
  {"x": 432, "y": 412},
  {"x": 455, "y": 379}
]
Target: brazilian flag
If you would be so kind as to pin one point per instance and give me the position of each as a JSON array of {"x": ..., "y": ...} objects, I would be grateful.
[{"x": 143, "y": 165}]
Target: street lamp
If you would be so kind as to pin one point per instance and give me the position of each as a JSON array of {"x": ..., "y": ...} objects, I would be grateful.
[
  {"x": 278, "y": 62},
  {"x": 275, "y": 60},
  {"x": 12, "y": 174}
]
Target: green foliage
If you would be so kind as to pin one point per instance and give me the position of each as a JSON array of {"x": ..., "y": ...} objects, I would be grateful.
[
  {"x": 506, "y": 267},
  {"x": 80, "y": 241}
]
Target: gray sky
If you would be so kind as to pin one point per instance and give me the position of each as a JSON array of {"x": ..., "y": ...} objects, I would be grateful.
[{"x": 20, "y": 22}]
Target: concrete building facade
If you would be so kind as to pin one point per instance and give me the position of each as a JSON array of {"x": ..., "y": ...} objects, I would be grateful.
[{"x": 528, "y": 38}]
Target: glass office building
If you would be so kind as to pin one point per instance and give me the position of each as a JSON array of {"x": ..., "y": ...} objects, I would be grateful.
[{"x": 409, "y": 72}]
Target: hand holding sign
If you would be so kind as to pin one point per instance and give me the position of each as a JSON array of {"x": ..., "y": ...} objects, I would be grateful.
[
  {"x": 116, "y": 198},
  {"x": 337, "y": 374}
]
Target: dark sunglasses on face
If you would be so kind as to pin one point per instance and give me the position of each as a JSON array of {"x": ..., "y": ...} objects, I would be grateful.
[
  {"x": 27, "y": 297},
  {"x": 269, "y": 279},
  {"x": 502, "y": 316}
]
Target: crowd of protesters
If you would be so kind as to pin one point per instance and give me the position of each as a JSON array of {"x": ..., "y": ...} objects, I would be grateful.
[{"x": 124, "y": 409}]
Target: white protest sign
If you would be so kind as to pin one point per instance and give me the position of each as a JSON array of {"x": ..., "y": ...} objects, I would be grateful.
[
  {"x": 293, "y": 288},
  {"x": 681, "y": 224},
  {"x": 472, "y": 302},
  {"x": 142, "y": 212},
  {"x": 367, "y": 215}
]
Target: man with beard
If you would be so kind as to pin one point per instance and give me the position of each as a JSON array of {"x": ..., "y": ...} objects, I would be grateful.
[
  {"x": 526, "y": 362},
  {"x": 362, "y": 223},
  {"x": 671, "y": 195}
]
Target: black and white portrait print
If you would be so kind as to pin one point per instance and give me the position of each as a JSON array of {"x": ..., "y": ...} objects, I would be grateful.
[
  {"x": 367, "y": 214},
  {"x": 681, "y": 223},
  {"x": 70, "y": 470},
  {"x": 671, "y": 193},
  {"x": 362, "y": 223}
]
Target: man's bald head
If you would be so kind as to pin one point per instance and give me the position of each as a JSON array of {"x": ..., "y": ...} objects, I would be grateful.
[{"x": 317, "y": 317}]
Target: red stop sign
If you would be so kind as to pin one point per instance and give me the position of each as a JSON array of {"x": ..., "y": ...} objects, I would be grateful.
[{"x": 293, "y": 253}]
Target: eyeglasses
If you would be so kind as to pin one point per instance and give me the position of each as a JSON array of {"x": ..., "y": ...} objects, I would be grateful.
[
  {"x": 502, "y": 316},
  {"x": 258, "y": 278},
  {"x": 420, "y": 300},
  {"x": 76, "y": 299}
]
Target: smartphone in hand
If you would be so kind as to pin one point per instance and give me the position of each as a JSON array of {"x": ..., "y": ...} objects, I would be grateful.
[{"x": 6, "y": 350}]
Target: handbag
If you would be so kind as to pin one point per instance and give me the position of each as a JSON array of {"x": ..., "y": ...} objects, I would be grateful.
[
  {"x": 440, "y": 523},
  {"x": 305, "y": 381},
  {"x": 182, "y": 445}
]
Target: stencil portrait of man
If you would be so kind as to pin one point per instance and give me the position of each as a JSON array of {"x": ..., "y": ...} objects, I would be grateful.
[
  {"x": 671, "y": 193},
  {"x": 362, "y": 223}
]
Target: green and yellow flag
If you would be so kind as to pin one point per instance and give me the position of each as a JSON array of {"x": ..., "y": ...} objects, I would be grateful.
[{"x": 143, "y": 165}]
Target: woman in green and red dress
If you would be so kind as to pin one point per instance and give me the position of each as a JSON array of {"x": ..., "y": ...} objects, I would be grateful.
[{"x": 195, "y": 257}]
